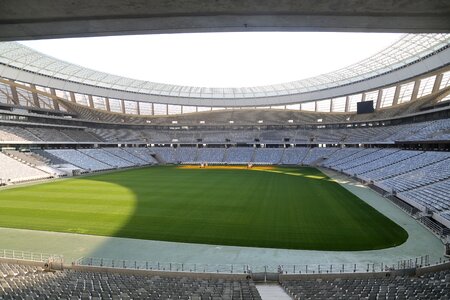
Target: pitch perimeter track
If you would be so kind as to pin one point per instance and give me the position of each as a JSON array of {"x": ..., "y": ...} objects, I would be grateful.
[{"x": 73, "y": 246}]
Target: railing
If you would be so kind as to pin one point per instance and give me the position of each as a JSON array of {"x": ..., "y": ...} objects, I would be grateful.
[
  {"x": 29, "y": 256},
  {"x": 246, "y": 269}
]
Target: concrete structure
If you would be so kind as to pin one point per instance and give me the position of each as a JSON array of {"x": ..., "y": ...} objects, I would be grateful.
[{"x": 28, "y": 19}]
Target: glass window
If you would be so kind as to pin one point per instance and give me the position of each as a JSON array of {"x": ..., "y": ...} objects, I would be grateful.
[
  {"x": 338, "y": 104},
  {"x": 293, "y": 106},
  {"x": 63, "y": 94},
  {"x": 201, "y": 108},
  {"x": 99, "y": 102},
  {"x": 426, "y": 86},
  {"x": 445, "y": 82},
  {"x": 45, "y": 102},
  {"x": 352, "y": 100},
  {"x": 115, "y": 105},
  {"x": 131, "y": 107},
  {"x": 189, "y": 109},
  {"x": 387, "y": 97},
  {"x": 372, "y": 96},
  {"x": 174, "y": 109},
  {"x": 308, "y": 106},
  {"x": 405, "y": 93},
  {"x": 324, "y": 105},
  {"x": 25, "y": 97},
  {"x": 5, "y": 94},
  {"x": 82, "y": 99},
  {"x": 159, "y": 109},
  {"x": 145, "y": 108}
]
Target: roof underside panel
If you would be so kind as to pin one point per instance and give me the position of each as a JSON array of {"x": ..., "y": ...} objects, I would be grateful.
[{"x": 408, "y": 49}]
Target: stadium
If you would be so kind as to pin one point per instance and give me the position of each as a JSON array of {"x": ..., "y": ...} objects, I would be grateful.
[{"x": 334, "y": 186}]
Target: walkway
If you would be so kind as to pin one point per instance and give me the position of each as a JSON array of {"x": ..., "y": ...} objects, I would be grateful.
[{"x": 272, "y": 292}]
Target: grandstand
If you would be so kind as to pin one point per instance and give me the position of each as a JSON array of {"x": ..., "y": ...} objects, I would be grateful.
[{"x": 62, "y": 120}]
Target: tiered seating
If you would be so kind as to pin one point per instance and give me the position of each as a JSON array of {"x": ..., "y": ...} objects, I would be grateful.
[
  {"x": 32, "y": 283},
  {"x": 375, "y": 160},
  {"x": 435, "y": 196},
  {"x": 268, "y": 155},
  {"x": 432, "y": 286},
  {"x": 317, "y": 154},
  {"x": 81, "y": 135},
  {"x": 16, "y": 134},
  {"x": 273, "y": 136},
  {"x": 50, "y": 134},
  {"x": 210, "y": 155},
  {"x": 341, "y": 156},
  {"x": 14, "y": 171},
  {"x": 239, "y": 155},
  {"x": 121, "y": 152},
  {"x": 415, "y": 162},
  {"x": 294, "y": 156},
  {"x": 186, "y": 154},
  {"x": 370, "y": 169},
  {"x": 118, "y": 135},
  {"x": 356, "y": 159},
  {"x": 167, "y": 154},
  {"x": 434, "y": 130},
  {"x": 214, "y": 137},
  {"x": 80, "y": 160},
  {"x": 445, "y": 215},
  {"x": 107, "y": 158},
  {"x": 420, "y": 177},
  {"x": 27, "y": 157},
  {"x": 142, "y": 153}
]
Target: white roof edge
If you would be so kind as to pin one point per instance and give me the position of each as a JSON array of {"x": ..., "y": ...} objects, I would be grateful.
[{"x": 405, "y": 49}]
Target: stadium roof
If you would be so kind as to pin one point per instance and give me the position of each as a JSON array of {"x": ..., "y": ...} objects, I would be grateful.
[{"x": 408, "y": 49}]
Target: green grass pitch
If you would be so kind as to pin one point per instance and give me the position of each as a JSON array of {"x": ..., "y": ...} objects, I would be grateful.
[{"x": 292, "y": 208}]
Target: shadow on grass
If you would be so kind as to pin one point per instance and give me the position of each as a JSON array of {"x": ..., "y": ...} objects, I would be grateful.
[{"x": 255, "y": 208}]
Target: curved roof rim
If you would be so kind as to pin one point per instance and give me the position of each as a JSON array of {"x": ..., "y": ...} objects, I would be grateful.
[{"x": 364, "y": 69}]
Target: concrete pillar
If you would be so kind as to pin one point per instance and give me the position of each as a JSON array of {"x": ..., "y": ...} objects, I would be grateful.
[
  {"x": 72, "y": 97},
  {"x": 90, "y": 101},
  {"x": 15, "y": 96},
  {"x": 437, "y": 83},
  {"x": 396, "y": 94},
  {"x": 108, "y": 107},
  {"x": 380, "y": 96},
  {"x": 347, "y": 104},
  {"x": 138, "y": 109},
  {"x": 35, "y": 96},
  {"x": 415, "y": 90},
  {"x": 122, "y": 103},
  {"x": 55, "y": 102}
]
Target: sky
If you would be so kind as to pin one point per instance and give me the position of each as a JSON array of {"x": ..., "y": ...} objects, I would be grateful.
[{"x": 218, "y": 59}]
